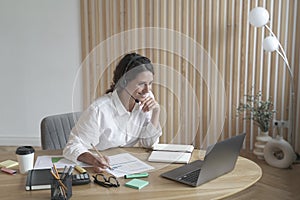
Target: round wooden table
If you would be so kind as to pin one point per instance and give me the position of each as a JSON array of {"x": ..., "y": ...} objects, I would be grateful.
[{"x": 245, "y": 174}]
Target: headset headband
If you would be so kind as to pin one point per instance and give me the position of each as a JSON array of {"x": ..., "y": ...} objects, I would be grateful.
[{"x": 134, "y": 58}]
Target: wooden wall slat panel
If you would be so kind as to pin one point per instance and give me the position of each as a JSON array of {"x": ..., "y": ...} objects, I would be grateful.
[{"x": 234, "y": 47}]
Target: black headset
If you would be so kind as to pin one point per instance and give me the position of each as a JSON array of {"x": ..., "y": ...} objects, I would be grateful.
[
  {"x": 124, "y": 81},
  {"x": 134, "y": 58}
]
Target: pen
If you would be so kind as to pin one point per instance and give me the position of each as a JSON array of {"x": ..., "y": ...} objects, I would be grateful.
[
  {"x": 99, "y": 154},
  {"x": 71, "y": 168},
  {"x": 64, "y": 172},
  {"x": 67, "y": 173},
  {"x": 65, "y": 169}
]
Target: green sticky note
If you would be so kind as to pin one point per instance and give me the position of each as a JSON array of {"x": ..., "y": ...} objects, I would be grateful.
[
  {"x": 56, "y": 159},
  {"x": 136, "y": 183}
]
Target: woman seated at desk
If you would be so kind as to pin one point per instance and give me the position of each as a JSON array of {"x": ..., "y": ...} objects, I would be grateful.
[{"x": 126, "y": 115}]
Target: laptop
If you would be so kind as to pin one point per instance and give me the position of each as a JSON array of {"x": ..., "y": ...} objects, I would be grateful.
[{"x": 219, "y": 159}]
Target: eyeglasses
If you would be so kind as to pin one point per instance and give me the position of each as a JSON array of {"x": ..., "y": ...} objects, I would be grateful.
[{"x": 101, "y": 179}]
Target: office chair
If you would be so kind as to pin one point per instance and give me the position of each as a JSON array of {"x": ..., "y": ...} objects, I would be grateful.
[{"x": 55, "y": 130}]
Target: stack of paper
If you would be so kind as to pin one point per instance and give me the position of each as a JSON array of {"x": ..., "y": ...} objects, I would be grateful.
[{"x": 171, "y": 153}]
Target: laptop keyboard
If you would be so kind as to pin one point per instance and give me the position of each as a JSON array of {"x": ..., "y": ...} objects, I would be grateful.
[{"x": 191, "y": 177}]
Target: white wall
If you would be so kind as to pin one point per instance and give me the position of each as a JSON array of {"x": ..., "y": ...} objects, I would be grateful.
[{"x": 40, "y": 55}]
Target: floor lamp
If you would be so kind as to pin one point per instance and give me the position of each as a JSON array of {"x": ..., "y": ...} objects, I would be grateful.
[{"x": 259, "y": 17}]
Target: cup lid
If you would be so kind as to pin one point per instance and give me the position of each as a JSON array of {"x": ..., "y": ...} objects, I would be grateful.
[{"x": 24, "y": 150}]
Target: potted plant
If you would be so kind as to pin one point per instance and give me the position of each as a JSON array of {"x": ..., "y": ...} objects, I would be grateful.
[{"x": 261, "y": 113}]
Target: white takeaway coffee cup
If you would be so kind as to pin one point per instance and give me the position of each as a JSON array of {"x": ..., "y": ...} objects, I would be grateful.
[{"x": 25, "y": 157}]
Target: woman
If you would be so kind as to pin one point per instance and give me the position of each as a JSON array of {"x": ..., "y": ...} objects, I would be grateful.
[{"x": 126, "y": 115}]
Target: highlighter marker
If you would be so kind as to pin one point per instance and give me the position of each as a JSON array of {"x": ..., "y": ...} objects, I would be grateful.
[
  {"x": 80, "y": 169},
  {"x": 138, "y": 175}
]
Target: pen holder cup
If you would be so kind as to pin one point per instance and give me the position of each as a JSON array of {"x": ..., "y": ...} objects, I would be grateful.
[{"x": 61, "y": 189}]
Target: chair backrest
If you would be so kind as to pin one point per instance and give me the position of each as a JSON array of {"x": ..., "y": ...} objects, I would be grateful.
[{"x": 55, "y": 130}]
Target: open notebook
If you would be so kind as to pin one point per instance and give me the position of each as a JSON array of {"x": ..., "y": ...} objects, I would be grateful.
[
  {"x": 171, "y": 153},
  {"x": 173, "y": 147}
]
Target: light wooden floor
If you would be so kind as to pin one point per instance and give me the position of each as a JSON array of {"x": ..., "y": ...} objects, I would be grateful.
[{"x": 275, "y": 184}]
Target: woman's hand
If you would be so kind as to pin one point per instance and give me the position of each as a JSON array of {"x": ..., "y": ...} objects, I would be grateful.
[
  {"x": 150, "y": 104},
  {"x": 99, "y": 163}
]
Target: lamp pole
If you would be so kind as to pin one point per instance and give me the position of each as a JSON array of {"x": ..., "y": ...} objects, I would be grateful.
[
  {"x": 259, "y": 17},
  {"x": 271, "y": 44}
]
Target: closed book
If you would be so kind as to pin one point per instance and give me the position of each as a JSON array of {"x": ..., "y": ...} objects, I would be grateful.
[{"x": 39, "y": 179}]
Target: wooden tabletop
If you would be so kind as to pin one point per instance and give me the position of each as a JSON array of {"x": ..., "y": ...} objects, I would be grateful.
[{"x": 245, "y": 174}]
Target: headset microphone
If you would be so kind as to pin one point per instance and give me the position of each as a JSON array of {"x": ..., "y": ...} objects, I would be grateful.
[{"x": 136, "y": 100}]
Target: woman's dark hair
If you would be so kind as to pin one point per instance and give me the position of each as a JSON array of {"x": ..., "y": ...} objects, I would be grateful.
[{"x": 132, "y": 62}]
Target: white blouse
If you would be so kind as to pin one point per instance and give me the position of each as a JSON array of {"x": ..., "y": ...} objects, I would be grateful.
[{"x": 107, "y": 124}]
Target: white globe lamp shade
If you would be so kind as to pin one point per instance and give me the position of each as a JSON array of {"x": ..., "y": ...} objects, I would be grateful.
[
  {"x": 270, "y": 44},
  {"x": 259, "y": 17}
]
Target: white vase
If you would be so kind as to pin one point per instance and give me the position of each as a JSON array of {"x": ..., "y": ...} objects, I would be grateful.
[
  {"x": 279, "y": 153},
  {"x": 261, "y": 141}
]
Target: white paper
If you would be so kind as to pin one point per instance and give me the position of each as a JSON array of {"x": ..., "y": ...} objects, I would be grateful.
[
  {"x": 125, "y": 163},
  {"x": 121, "y": 164},
  {"x": 45, "y": 162}
]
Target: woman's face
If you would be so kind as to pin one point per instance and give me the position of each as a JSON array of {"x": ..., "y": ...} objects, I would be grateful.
[{"x": 140, "y": 87}]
